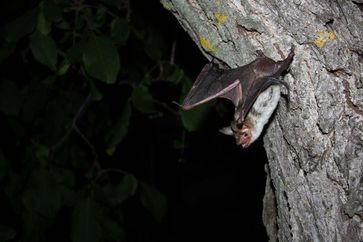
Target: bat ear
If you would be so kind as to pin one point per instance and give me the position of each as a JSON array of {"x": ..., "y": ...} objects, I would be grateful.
[
  {"x": 226, "y": 130},
  {"x": 220, "y": 64}
]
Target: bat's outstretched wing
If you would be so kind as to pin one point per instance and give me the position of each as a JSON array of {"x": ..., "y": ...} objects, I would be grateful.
[
  {"x": 241, "y": 85},
  {"x": 211, "y": 83}
]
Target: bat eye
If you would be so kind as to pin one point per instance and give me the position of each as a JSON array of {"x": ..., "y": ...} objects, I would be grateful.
[{"x": 239, "y": 125}]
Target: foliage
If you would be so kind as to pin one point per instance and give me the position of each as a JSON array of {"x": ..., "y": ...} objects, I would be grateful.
[{"x": 68, "y": 67}]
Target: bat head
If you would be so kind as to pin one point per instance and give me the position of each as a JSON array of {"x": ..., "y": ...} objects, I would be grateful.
[
  {"x": 244, "y": 137},
  {"x": 242, "y": 132}
]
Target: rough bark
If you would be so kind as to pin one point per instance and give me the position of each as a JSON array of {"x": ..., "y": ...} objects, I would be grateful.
[{"x": 314, "y": 188}]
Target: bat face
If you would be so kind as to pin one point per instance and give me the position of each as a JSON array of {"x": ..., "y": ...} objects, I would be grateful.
[
  {"x": 254, "y": 89},
  {"x": 241, "y": 132}
]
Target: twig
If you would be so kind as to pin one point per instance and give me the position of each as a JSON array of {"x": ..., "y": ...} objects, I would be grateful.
[
  {"x": 82, "y": 108},
  {"x": 166, "y": 107},
  {"x": 128, "y": 11},
  {"x": 74, "y": 31},
  {"x": 84, "y": 138},
  {"x": 183, "y": 147},
  {"x": 172, "y": 53},
  {"x": 108, "y": 170},
  {"x": 74, "y": 123}
]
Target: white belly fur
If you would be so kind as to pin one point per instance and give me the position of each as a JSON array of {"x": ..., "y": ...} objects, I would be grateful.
[{"x": 262, "y": 109}]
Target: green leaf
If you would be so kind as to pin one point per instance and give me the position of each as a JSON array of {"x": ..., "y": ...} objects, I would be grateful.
[
  {"x": 43, "y": 26},
  {"x": 21, "y": 26},
  {"x": 112, "y": 231},
  {"x": 116, "y": 3},
  {"x": 153, "y": 46},
  {"x": 64, "y": 24},
  {"x": 66, "y": 180},
  {"x": 176, "y": 75},
  {"x": 64, "y": 177},
  {"x": 101, "y": 59},
  {"x": 85, "y": 221},
  {"x": 68, "y": 195},
  {"x": 153, "y": 200},
  {"x": 41, "y": 153},
  {"x": 36, "y": 97},
  {"x": 126, "y": 188},
  {"x": 6, "y": 233},
  {"x": 58, "y": 113},
  {"x": 120, "y": 31},
  {"x": 180, "y": 145},
  {"x": 118, "y": 131},
  {"x": 6, "y": 52},
  {"x": 84, "y": 20},
  {"x": 139, "y": 33},
  {"x": 192, "y": 119},
  {"x": 43, "y": 195},
  {"x": 96, "y": 94},
  {"x": 64, "y": 67},
  {"x": 10, "y": 98},
  {"x": 142, "y": 99},
  {"x": 100, "y": 17},
  {"x": 118, "y": 193},
  {"x": 52, "y": 12},
  {"x": 44, "y": 49},
  {"x": 74, "y": 53}
]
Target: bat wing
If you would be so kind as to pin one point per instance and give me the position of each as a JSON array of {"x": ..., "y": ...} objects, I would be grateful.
[
  {"x": 241, "y": 85},
  {"x": 211, "y": 83}
]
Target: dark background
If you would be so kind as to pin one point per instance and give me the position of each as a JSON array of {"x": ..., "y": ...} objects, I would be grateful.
[{"x": 213, "y": 188}]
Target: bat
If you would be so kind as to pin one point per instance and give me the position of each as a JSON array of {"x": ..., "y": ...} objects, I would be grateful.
[{"x": 254, "y": 89}]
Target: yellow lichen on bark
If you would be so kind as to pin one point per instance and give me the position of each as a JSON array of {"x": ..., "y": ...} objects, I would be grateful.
[
  {"x": 207, "y": 46},
  {"x": 220, "y": 17},
  {"x": 323, "y": 37},
  {"x": 165, "y": 4}
]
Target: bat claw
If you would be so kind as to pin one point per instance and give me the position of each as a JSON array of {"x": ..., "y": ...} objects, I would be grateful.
[
  {"x": 260, "y": 54},
  {"x": 292, "y": 51},
  {"x": 177, "y": 104},
  {"x": 292, "y": 48}
]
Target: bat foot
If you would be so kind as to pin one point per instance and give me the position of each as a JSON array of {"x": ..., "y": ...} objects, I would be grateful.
[
  {"x": 292, "y": 48},
  {"x": 260, "y": 54}
]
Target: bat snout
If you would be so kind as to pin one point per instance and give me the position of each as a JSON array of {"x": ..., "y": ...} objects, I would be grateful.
[
  {"x": 244, "y": 137},
  {"x": 242, "y": 133}
]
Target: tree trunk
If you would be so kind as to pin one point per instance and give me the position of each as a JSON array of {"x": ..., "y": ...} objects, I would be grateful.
[{"x": 314, "y": 188}]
